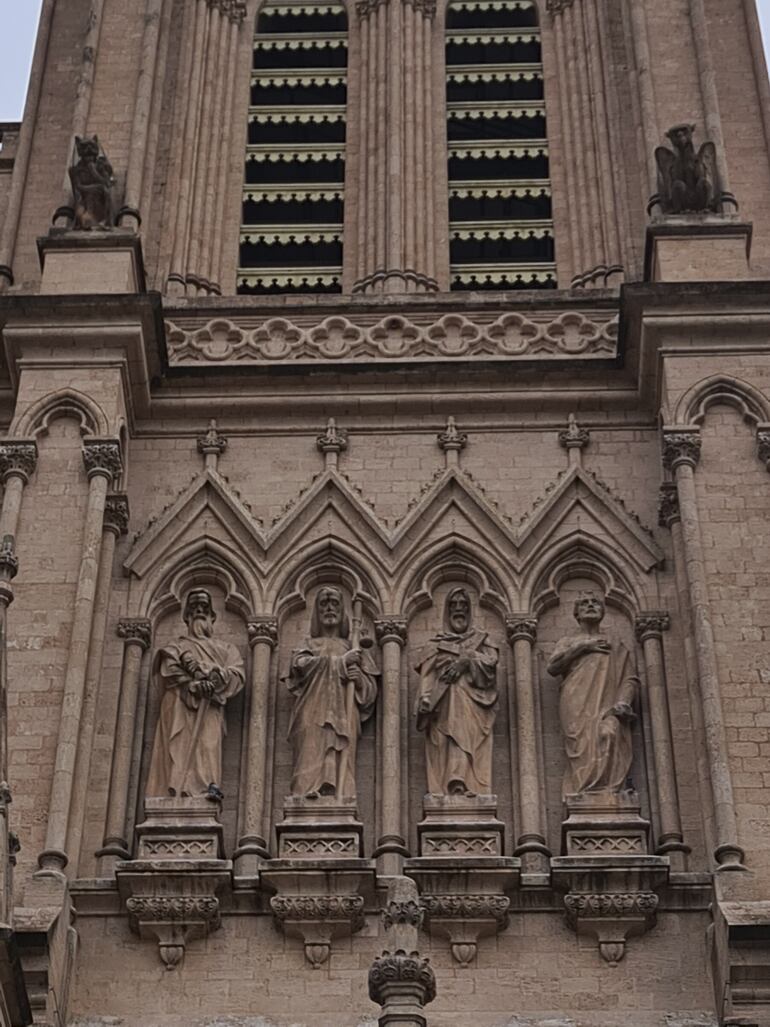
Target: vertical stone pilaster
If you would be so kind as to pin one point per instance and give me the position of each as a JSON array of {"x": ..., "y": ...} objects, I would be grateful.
[
  {"x": 391, "y": 846},
  {"x": 9, "y": 566},
  {"x": 252, "y": 843}
]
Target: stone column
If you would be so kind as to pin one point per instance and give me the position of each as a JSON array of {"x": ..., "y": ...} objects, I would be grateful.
[
  {"x": 530, "y": 844},
  {"x": 681, "y": 452},
  {"x": 103, "y": 464},
  {"x": 115, "y": 525},
  {"x": 400, "y": 981},
  {"x": 137, "y": 636},
  {"x": 9, "y": 566},
  {"x": 649, "y": 632},
  {"x": 253, "y": 841},
  {"x": 391, "y": 845},
  {"x": 18, "y": 459},
  {"x": 396, "y": 241}
]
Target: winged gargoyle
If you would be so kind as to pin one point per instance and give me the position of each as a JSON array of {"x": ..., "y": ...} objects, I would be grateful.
[{"x": 687, "y": 181}]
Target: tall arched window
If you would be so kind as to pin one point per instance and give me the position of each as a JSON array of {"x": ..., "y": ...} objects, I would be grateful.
[
  {"x": 291, "y": 234},
  {"x": 501, "y": 232}
]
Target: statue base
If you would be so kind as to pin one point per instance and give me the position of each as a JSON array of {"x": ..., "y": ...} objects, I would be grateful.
[
  {"x": 460, "y": 825},
  {"x": 180, "y": 828},
  {"x": 610, "y": 880},
  {"x": 91, "y": 262},
  {"x": 697, "y": 248},
  {"x": 322, "y": 828}
]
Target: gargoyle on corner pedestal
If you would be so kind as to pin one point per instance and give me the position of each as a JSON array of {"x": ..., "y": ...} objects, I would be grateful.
[
  {"x": 688, "y": 182},
  {"x": 92, "y": 182}
]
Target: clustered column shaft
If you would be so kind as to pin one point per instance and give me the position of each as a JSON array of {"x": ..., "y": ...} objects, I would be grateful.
[
  {"x": 391, "y": 634},
  {"x": 210, "y": 42},
  {"x": 395, "y": 244},
  {"x": 681, "y": 452},
  {"x": 582, "y": 50},
  {"x": 103, "y": 464}
]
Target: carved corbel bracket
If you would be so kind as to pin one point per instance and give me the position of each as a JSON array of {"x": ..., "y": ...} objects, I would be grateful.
[
  {"x": 318, "y": 902},
  {"x": 464, "y": 899}
]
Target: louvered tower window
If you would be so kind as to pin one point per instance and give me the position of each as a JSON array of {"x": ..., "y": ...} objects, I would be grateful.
[
  {"x": 501, "y": 232},
  {"x": 291, "y": 236}
]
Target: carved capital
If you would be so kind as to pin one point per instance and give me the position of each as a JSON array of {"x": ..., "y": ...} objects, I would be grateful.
[
  {"x": 573, "y": 436},
  {"x": 102, "y": 457},
  {"x": 398, "y": 970},
  {"x": 681, "y": 448},
  {"x": 135, "y": 631},
  {"x": 392, "y": 629},
  {"x": 265, "y": 630},
  {"x": 426, "y": 7},
  {"x": 555, "y": 7},
  {"x": 9, "y": 563},
  {"x": 668, "y": 504},
  {"x": 18, "y": 457},
  {"x": 366, "y": 7},
  {"x": 451, "y": 438},
  {"x": 334, "y": 439},
  {"x": 517, "y": 627},
  {"x": 116, "y": 513},
  {"x": 651, "y": 625},
  {"x": 409, "y": 913},
  {"x": 212, "y": 442},
  {"x": 763, "y": 444}
]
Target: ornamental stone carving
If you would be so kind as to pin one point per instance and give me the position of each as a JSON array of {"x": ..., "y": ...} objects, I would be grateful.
[
  {"x": 393, "y": 629},
  {"x": 264, "y": 630},
  {"x": 450, "y": 438},
  {"x": 102, "y": 457},
  {"x": 611, "y": 917},
  {"x": 18, "y": 458},
  {"x": 9, "y": 567},
  {"x": 460, "y": 906},
  {"x": 196, "y": 676},
  {"x": 213, "y": 442},
  {"x": 521, "y": 627},
  {"x": 681, "y": 448},
  {"x": 174, "y": 918},
  {"x": 334, "y": 439},
  {"x": 687, "y": 181},
  {"x": 573, "y": 436},
  {"x": 651, "y": 625},
  {"x": 319, "y": 907},
  {"x": 763, "y": 446},
  {"x": 408, "y": 912},
  {"x": 668, "y": 504},
  {"x": 399, "y": 968},
  {"x": 92, "y": 182},
  {"x": 596, "y": 704},
  {"x": 135, "y": 632},
  {"x": 116, "y": 513},
  {"x": 333, "y": 681},
  {"x": 457, "y": 703}
]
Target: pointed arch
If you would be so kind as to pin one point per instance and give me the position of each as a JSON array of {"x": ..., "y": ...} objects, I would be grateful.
[
  {"x": 36, "y": 419},
  {"x": 752, "y": 404},
  {"x": 457, "y": 559},
  {"x": 582, "y": 556}
]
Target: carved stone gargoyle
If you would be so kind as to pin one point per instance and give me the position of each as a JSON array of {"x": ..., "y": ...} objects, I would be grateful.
[
  {"x": 687, "y": 181},
  {"x": 92, "y": 182}
]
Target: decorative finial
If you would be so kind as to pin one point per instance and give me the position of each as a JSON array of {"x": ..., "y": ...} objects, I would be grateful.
[
  {"x": 212, "y": 445},
  {"x": 332, "y": 442},
  {"x": 452, "y": 441},
  {"x": 574, "y": 438}
]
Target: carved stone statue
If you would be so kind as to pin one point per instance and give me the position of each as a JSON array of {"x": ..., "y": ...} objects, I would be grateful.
[
  {"x": 457, "y": 704},
  {"x": 598, "y": 692},
  {"x": 197, "y": 675},
  {"x": 687, "y": 181},
  {"x": 334, "y": 684},
  {"x": 92, "y": 183}
]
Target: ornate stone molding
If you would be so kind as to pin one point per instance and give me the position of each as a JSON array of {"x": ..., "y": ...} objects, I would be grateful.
[
  {"x": 173, "y": 920},
  {"x": 116, "y": 513},
  {"x": 494, "y": 907},
  {"x": 517, "y": 627},
  {"x": 336, "y": 339},
  {"x": 681, "y": 447},
  {"x": 400, "y": 968},
  {"x": 212, "y": 442},
  {"x": 611, "y": 916},
  {"x": 102, "y": 457},
  {"x": 573, "y": 436},
  {"x": 18, "y": 457},
  {"x": 450, "y": 438},
  {"x": 135, "y": 631},
  {"x": 668, "y": 504},
  {"x": 651, "y": 625},
  {"x": 334, "y": 439},
  {"x": 263, "y": 629},
  {"x": 317, "y": 919},
  {"x": 763, "y": 445},
  {"x": 410, "y": 912},
  {"x": 391, "y": 629}
]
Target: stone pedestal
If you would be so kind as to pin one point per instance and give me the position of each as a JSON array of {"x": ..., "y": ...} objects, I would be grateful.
[
  {"x": 697, "y": 248},
  {"x": 322, "y": 828},
  {"x": 171, "y": 891},
  {"x": 91, "y": 262},
  {"x": 609, "y": 878},
  {"x": 456, "y": 825},
  {"x": 741, "y": 959}
]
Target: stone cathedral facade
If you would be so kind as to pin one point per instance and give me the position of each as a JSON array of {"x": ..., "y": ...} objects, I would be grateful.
[{"x": 385, "y": 525}]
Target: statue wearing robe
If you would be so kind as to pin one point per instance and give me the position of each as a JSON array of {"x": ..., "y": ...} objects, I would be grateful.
[
  {"x": 598, "y": 690},
  {"x": 197, "y": 676},
  {"x": 334, "y": 687},
  {"x": 457, "y": 704}
]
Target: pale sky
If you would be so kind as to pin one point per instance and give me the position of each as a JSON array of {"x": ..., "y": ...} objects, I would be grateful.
[{"x": 18, "y": 22}]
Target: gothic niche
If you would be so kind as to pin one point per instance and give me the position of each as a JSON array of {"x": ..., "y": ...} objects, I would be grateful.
[
  {"x": 330, "y": 685},
  {"x": 607, "y": 873},
  {"x": 461, "y": 872},
  {"x": 171, "y": 889}
]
